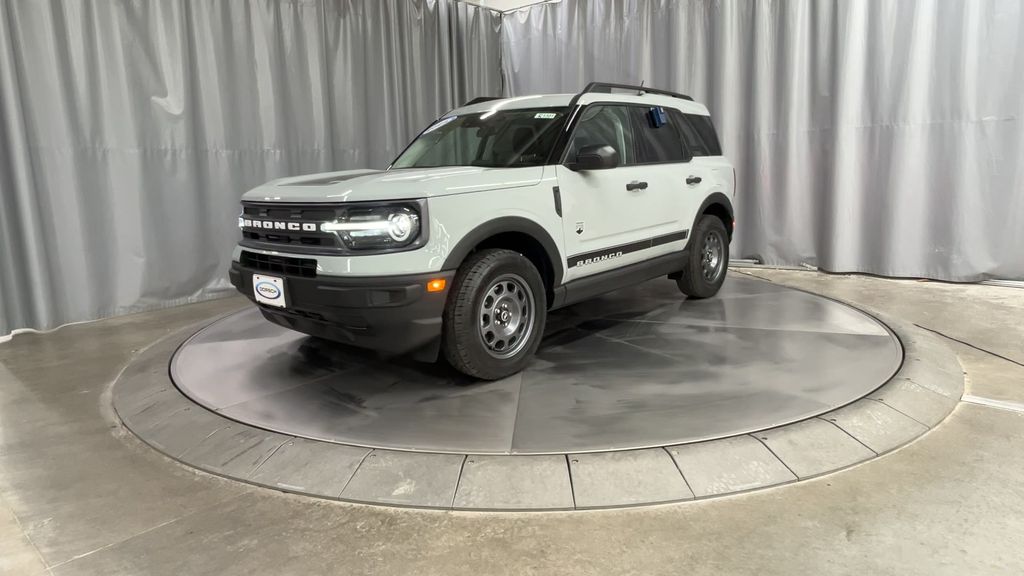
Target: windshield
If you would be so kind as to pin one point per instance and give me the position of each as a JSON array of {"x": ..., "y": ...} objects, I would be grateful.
[{"x": 506, "y": 138}]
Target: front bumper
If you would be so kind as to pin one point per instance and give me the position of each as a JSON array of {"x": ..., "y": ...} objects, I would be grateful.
[{"x": 390, "y": 314}]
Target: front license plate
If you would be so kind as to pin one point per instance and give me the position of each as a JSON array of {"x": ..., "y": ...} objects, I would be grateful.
[{"x": 269, "y": 290}]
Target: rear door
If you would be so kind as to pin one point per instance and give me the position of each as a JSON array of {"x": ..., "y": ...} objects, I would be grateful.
[{"x": 662, "y": 162}]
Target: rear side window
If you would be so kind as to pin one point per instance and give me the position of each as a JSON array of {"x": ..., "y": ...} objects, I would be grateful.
[
  {"x": 698, "y": 134},
  {"x": 655, "y": 143}
]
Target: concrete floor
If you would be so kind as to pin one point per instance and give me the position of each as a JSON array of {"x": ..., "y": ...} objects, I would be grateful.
[{"x": 81, "y": 496}]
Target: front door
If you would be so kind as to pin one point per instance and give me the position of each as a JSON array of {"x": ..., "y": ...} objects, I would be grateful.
[{"x": 624, "y": 215}]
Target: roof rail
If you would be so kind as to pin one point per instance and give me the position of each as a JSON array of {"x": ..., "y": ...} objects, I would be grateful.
[
  {"x": 607, "y": 87},
  {"x": 480, "y": 99}
]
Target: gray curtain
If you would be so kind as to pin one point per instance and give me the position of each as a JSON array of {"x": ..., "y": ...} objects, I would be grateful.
[
  {"x": 880, "y": 136},
  {"x": 128, "y": 129},
  {"x": 875, "y": 136}
]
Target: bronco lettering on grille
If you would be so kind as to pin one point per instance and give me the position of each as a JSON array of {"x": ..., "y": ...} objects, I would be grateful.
[{"x": 275, "y": 225}]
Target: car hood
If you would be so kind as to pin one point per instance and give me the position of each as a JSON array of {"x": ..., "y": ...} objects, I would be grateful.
[{"x": 404, "y": 184}]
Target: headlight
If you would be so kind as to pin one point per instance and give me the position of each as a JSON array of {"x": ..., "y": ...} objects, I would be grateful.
[{"x": 376, "y": 227}]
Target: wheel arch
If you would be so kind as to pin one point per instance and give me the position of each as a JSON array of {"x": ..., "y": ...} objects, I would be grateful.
[
  {"x": 718, "y": 204},
  {"x": 514, "y": 233}
]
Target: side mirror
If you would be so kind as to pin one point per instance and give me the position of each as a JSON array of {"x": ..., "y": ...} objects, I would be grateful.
[{"x": 598, "y": 157}]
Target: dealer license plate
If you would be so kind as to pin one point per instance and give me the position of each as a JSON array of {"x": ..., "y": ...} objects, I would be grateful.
[{"x": 269, "y": 290}]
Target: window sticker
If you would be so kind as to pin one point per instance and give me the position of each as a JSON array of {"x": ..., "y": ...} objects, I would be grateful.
[{"x": 545, "y": 115}]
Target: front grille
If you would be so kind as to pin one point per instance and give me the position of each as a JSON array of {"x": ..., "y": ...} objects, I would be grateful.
[
  {"x": 304, "y": 267},
  {"x": 281, "y": 211},
  {"x": 292, "y": 239},
  {"x": 297, "y": 240}
]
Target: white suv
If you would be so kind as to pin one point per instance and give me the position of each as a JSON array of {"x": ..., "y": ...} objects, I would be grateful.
[{"x": 498, "y": 212}]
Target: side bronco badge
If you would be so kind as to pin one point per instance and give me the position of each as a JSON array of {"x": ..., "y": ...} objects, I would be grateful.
[{"x": 596, "y": 259}]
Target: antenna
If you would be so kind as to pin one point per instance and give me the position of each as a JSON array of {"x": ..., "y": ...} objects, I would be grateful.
[{"x": 640, "y": 92}]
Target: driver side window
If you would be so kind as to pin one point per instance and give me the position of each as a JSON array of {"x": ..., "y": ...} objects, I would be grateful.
[{"x": 604, "y": 125}]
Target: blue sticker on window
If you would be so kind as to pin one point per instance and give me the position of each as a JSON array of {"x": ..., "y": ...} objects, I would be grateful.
[{"x": 658, "y": 117}]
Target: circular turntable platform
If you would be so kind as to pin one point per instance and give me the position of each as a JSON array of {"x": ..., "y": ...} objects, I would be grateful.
[
  {"x": 641, "y": 367},
  {"x": 637, "y": 397}
]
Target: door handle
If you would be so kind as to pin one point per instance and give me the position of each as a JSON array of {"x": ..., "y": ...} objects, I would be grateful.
[
  {"x": 636, "y": 185},
  {"x": 693, "y": 180}
]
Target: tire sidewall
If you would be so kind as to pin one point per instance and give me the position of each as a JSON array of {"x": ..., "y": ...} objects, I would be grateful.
[
  {"x": 708, "y": 224},
  {"x": 465, "y": 329}
]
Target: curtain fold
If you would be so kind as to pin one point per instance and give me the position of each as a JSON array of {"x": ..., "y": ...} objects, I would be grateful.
[
  {"x": 129, "y": 129},
  {"x": 883, "y": 137}
]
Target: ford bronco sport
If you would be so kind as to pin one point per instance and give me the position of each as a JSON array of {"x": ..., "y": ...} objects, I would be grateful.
[{"x": 496, "y": 213}]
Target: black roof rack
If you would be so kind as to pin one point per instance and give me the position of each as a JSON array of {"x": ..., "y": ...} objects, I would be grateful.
[
  {"x": 607, "y": 87},
  {"x": 480, "y": 99}
]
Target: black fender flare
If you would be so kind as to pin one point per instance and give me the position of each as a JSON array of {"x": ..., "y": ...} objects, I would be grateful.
[
  {"x": 716, "y": 198},
  {"x": 503, "y": 225}
]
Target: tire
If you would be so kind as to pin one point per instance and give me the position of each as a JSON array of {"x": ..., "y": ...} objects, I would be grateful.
[
  {"x": 495, "y": 314},
  {"x": 707, "y": 260}
]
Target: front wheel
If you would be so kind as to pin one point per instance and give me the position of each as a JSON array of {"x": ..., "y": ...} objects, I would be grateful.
[
  {"x": 495, "y": 314},
  {"x": 707, "y": 260}
]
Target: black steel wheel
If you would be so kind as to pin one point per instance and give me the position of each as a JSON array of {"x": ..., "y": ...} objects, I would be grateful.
[
  {"x": 708, "y": 259},
  {"x": 495, "y": 314}
]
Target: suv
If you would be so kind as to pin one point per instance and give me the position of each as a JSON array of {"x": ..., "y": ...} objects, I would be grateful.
[{"x": 496, "y": 213}]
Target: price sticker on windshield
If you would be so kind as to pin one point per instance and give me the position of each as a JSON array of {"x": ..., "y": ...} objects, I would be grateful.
[{"x": 546, "y": 115}]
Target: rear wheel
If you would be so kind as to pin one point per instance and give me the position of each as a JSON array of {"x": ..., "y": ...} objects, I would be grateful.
[
  {"x": 707, "y": 260},
  {"x": 495, "y": 315}
]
